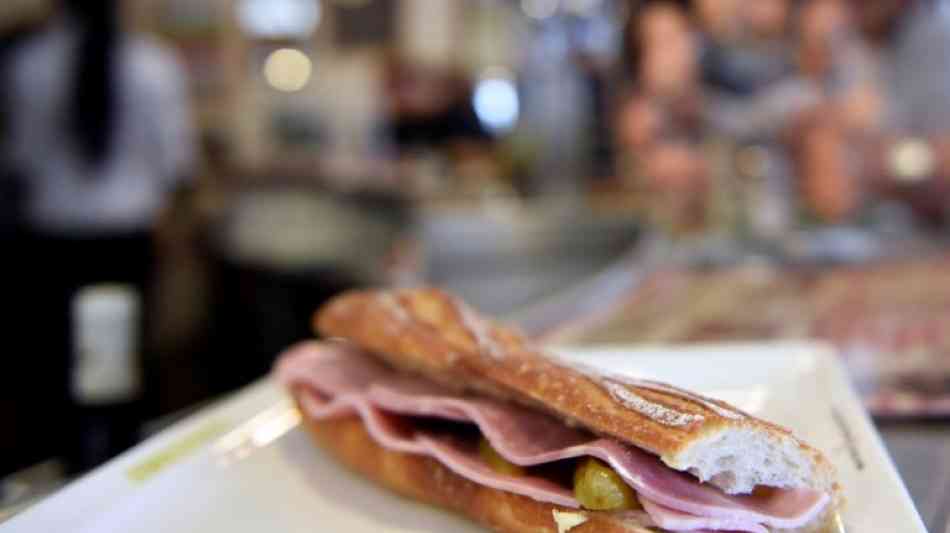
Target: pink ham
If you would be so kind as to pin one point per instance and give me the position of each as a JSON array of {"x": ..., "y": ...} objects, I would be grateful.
[
  {"x": 391, "y": 433},
  {"x": 343, "y": 380},
  {"x": 676, "y": 521}
]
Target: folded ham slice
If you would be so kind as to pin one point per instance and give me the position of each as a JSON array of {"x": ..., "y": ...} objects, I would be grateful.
[
  {"x": 342, "y": 380},
  {"x": 677, "y": 521}
]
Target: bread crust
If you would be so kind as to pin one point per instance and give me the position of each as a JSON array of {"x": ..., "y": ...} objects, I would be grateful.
[
  {"x": 426, "y": 480},
  {"x": 431, "y": 332}
]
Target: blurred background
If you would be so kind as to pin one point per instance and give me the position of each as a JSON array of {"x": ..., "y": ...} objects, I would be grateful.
[{"x": 182, "y": 182}]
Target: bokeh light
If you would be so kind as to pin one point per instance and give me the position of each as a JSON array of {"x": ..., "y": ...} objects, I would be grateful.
[
  {"x": 288, "y": 69},
  {"x": 912, "y": 160},
  {"x": 496, "y": 102},
  {"x": 279, "y": 18}
]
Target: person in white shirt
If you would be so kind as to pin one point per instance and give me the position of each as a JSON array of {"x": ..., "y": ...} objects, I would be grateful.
[
  {"x": 99, "y": 122},
  {"x": 99, "y": 130}
]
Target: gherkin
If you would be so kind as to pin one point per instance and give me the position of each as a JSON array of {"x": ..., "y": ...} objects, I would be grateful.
[
  {"x": 599, "y": 488},
  {"x": 496, "y": 461}
]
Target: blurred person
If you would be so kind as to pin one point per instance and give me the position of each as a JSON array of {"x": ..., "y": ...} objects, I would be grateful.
[
  {"x": 100, "y": 133},
  {"x": 650, "y": 24},
  {"x": 670, "y": 171},
  {"x": 638, "y": 123},
  {"x": 677, "y": 177},
  {"x": 910, "y": 39},
  {"x": 831, "y": 56},
  {"x": 668, "y": 71},
  {"x": 766, "y": 19},
  {"x": 897, "y": 120},
  {"x": 755, "y": 54},
  {"x": 832, "y": 183},
  {"x": 11, "y": 198},
  {"x": 830, "y": 97},
  {"x": 825, "y": 66},
  {"x": 661, "y": 119},
  {"x": 662, "y": 22},
  {"x": 668, "y": 61},
  {"x": 662, "y": 100},
  {"x": 662, "y": 50},
  {"x": 719, "y": 19},
  {"x": 821, "y": 24},
  {"x": 14, "y": 269}
]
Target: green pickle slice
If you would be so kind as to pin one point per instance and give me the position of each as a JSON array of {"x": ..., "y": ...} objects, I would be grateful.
[
  {"x": 599, "y": 488},
  {"x": 496, "y": 461}
]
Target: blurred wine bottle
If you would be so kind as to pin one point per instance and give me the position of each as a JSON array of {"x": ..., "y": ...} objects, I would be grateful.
[{"x": 106, "y": 380}]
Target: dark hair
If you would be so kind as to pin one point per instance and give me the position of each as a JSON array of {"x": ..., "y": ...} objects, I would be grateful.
[{"x": 94, "y": 111}]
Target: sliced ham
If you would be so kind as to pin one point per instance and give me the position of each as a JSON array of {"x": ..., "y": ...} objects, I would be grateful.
[
  {"x": 667, "y": 518},
  {"x": 460, "y": 457},
  {"x": 342, "y": 380}
]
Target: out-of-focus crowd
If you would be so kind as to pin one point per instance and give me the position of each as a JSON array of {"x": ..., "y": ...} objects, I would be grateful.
[{"x": 854, "y": 94}]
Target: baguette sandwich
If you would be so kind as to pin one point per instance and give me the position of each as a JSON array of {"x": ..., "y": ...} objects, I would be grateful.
[{"x": 421, "y": 394}]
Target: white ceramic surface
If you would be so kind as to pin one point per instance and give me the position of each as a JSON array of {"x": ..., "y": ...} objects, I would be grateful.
[{"x": 246, "y": 466}]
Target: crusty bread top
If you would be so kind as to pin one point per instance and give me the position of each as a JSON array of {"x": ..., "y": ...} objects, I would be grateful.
[{"x": 433, "y": 333}]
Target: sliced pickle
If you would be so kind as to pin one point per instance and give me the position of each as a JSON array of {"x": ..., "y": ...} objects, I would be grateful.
[
  {"x": 598, "y": 488},
  {"x": 496, "y": 461}
]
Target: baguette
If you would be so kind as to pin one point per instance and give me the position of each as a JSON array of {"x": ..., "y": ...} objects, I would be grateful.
[
  {"x": 424, "y": 479},
  {"x": 412, "y": 363},
  {"x": 430, "y": 332}
]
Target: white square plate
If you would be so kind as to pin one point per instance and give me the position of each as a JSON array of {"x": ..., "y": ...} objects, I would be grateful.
[{"x": 245, "y": 465}]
